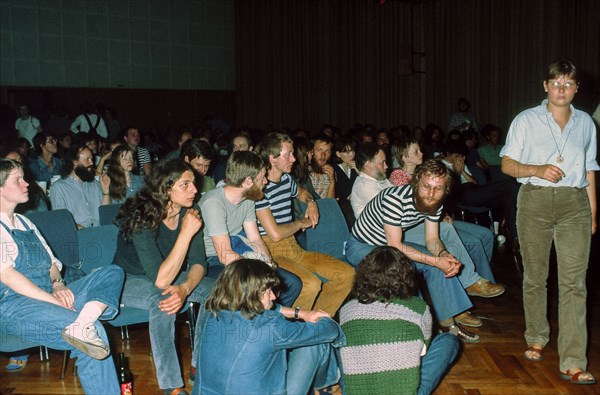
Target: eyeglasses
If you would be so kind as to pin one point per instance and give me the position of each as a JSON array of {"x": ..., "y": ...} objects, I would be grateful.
[
  {"x": 567, "y": 86},
  {"x": 51, "y": 141}
]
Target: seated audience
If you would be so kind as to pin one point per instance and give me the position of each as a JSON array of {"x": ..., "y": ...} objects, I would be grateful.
[
  {"x": 388, "y": 219},
  {"x": 490, "y": 150},
  {"x": 345, "y": 175},
  {"x": 199, "y": 154},
  {"x": 230, "y": 219},
  {"x": 46, "y": 165},
  {"x": 322, "y": 175},
  {"x": 160, "y": 248},
  {"x": 372, "y": 167},
  {"x": 388, "y": 331},
  {"x": 277, "y": 228},
  {"x": 241, "y": 142},
  {"x": 433, "y": 140},
  {"x": 183, "y": 135},
  {"x": 272, "y": 351},
  {"x": 35, "y": 296},
  {"x": 303, "y": 153},
  {"x": 123, "y": 183},
  {"x": 38, "y": 199},
  {"x": 78, "y": 190},
  {"x": 143, "y": 160},
  {"x": 468, "y": 192},
  {"x": 478, "y": 240}
]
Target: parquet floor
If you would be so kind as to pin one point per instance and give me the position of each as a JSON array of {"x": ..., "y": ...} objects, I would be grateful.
[{"x": 493, "y": 366}]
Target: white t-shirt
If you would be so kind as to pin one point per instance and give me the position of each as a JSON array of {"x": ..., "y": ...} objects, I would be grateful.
[{"x": 27, "y": 127}]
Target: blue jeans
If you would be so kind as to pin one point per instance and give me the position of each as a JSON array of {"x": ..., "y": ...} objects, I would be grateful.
[
  {"x": 442, "y": 351},
  {"x": 479, "y": 242},
  {"x": 141, "y": 293},
  {"x": 311, "y": 367},
  {"x": 447, "y": 294},
  {"x": 453, "y": 243},
  {"x": 43, "y": 322},
  {"x": 292, "y": 284}
]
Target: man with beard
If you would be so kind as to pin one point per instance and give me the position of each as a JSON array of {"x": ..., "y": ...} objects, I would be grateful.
[
  {"x": 278, "y": 227},
  {"x": 386, "y": 220},
  {"x": 78, "y": 191},
  {"x": 322, "y": 174},
  {"x": 230, "y": 219}
]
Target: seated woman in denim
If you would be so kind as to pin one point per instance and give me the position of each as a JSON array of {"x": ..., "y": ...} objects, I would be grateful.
[
  {"x": 251, "y": 347},
  {"x": 388, "y": 330},
  {"x": 37, "y": 305}
]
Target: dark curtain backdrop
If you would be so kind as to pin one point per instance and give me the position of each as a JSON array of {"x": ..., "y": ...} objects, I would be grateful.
[{"x": 304, "y": 63}]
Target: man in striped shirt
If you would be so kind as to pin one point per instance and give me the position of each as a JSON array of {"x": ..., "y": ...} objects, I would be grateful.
[
  {"x": 388, "y": 216},
  {"x": 277, "y": 227}
]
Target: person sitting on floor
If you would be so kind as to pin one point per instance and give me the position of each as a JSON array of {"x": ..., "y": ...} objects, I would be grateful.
[
  {"x": 160, "y": 247},
  {"x": 273, "y": 352},
  {"x": 388, "y": 331},
  {"x": 35, "y": 297}
]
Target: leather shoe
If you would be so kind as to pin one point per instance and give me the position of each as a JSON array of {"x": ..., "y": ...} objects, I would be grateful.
[
  {"x": 485, "y": 289},
  {"x": 468, "y": 319},
  {"x": 459, "y": 331}
]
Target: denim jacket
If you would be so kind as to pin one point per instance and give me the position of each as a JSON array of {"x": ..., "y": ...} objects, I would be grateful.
[{"x": 242, "y": 356}]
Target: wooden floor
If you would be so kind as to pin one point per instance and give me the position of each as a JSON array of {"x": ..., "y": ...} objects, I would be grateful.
[{"x": 493, "y": 366}]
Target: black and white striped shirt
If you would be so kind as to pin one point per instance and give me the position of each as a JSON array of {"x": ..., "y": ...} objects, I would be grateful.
[{"x": 393, "y": 206}]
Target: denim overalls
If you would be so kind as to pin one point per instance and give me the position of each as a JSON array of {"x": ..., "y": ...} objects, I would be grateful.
[{"x": 42, "y": 322}]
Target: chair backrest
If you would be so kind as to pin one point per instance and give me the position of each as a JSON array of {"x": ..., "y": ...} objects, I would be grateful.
[
  {"x": 331, "y": 233},
  {"x": 60, "y": 232},
  {"x": 108, "y": 212},
  {"x": 97, "y": 246}
]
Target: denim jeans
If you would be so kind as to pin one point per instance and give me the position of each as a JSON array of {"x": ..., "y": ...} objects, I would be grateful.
[
  {"x": 141, "y": 293},
  {"x": 43, "y": 322},
  {"x": 479, "y": 242},
  {"x": 562, "y": 215},
  {"x": 447, "y": 294},
  {"x": 442, "y": 351},
  {"x": 311, "y": 367},
  {"x": 467, "y": 276}
]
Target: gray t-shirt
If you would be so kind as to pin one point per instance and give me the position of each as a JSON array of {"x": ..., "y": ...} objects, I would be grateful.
[{"x": 221, "y": 217}]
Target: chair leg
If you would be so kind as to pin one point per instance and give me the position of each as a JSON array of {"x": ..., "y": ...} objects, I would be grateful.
[
  {"x": 41, "y": 354},
  {"x": 46, "y": 353},
  {"x": 127, "y": 332},
  {"x": 64, "y": 365}
]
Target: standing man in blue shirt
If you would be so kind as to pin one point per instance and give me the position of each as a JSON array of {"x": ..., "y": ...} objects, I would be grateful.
[{"x": 551, "y": 150}]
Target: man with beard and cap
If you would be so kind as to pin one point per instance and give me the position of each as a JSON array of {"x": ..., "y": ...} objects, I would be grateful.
[
  {"x": 230, "y": 220},
  {"x": 387, "y": 220},
  {"x": 322, "y": 174},
  {"x": 277, "y": 227},
  {"x": 78, "y": 190}
]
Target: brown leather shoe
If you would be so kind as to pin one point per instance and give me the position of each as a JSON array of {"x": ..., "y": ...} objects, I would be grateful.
[
  {"x": 468, "y": 319},
  {"x": 485, "y": 289},
  {"x": 459, "y": 331}
]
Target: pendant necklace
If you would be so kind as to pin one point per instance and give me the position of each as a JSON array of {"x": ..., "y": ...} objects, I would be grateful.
[{"x": 559, "y": 158}]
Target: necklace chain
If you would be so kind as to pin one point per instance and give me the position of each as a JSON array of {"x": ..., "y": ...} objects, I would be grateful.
[{"x": 559, "y": 158}]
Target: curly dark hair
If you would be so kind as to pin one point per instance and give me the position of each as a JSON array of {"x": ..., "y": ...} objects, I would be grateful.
[
  {"x": 383, "y": 275},
  {"x": 149, "y": 206}
]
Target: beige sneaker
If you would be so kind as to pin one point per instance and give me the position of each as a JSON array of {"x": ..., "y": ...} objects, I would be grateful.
[{"x": 485, "y": 289}]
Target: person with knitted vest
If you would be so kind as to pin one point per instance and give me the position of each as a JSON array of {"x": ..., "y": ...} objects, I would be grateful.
[{"x": 388, "y": 331}]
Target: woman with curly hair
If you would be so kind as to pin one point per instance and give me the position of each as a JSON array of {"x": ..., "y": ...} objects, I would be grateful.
[
  {"x": 161, "y": 248},
  {"x": 123, "y": 183},
  {"x": 388, "y": 331}
]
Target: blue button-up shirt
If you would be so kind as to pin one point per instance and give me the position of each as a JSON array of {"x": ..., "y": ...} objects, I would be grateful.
[
  {"x": 43, "y": 172},
  {"x": 533, "y": 139},
  {"x": 82, "y": 199}
]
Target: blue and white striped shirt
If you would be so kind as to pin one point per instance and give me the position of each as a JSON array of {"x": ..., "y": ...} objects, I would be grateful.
[{"x": 278, "y": 198}]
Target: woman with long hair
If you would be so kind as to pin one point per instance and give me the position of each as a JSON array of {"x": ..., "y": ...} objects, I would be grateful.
[
  {"x": 123, "y": 183},
  {"x": 37, "y": 305},
  {"x": 161, "y": 249},
  {"x": 273, "y": 351}
]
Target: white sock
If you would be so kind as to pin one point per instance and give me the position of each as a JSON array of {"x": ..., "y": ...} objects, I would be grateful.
[{"x": 87, "y": 317}]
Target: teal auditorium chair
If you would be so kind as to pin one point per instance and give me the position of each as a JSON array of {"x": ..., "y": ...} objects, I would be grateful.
[
  {"x": 331, "y": 234},
  {"x": 108, "y": 212}
]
